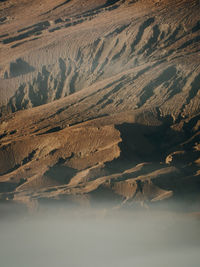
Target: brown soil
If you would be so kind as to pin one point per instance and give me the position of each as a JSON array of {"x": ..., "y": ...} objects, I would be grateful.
[{"x": 99, "y": 99}]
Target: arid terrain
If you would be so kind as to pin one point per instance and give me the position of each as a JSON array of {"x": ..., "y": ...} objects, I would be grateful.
[{"x": 100, "y": 102}]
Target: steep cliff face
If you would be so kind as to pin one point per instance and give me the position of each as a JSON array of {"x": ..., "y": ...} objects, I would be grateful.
[{"x": 100, "y": 98}]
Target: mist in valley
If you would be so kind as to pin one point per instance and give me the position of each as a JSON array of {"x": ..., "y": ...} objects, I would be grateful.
[{"x": 57, "y": 235}]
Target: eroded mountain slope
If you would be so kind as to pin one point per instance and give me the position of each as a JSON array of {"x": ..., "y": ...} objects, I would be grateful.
[
  {"x": 153, "y": 46},
  {"x": 100, "y": 100}
]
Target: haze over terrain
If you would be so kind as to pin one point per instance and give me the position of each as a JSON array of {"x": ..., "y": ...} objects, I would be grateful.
[
  {"x": 121, "y": 239},
  {"x": 100, "y": 101}
]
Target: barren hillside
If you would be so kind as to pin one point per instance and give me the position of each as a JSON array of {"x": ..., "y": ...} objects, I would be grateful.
[{"x": 100, "y": 100}]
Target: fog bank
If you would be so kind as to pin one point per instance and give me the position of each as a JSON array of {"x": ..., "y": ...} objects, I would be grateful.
[{"x": 98, "y": 237}]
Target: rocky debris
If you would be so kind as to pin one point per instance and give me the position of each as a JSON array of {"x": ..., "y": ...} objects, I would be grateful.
[{"x": 176, "y": 157}]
